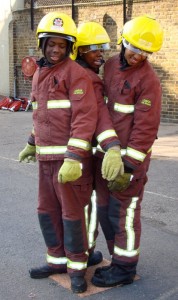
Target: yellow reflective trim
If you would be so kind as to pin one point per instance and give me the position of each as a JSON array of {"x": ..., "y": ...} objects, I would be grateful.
[
  {"x": 79, "y": 144},
  {"x": 122, "y": 252},
  {"x": 149, "y": 150},
  {"x": 93, "y": 221},
  {"x": 56, "y": 260},
  {"x": 78, "y": 92},
  {"x": 130, "y": 214},
  {"x": 76, "y": 265},
  {"x": 106, "y": 134},
  {"x": 98, "y": 148},
  {"x": 86, "y": 208},
  {"x": 42, "y": 150},
  {"x": 136, "y": 154},
  {"x": 123, "y": 108},
  {"x": 34, "y": 105},
  {"x": 58, "y": 104}
]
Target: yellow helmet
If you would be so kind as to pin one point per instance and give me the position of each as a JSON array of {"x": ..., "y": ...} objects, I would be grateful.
[
  {"x": 91, "y": 34},
  {"x": 56, "y": 24},
  {"x": 144, "y": 33}
]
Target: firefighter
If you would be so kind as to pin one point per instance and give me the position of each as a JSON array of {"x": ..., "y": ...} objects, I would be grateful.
[
  {"x": 92, "y": 42},
  {"x": 134, "y": 103},
  {"x": 64, "y": 119}
]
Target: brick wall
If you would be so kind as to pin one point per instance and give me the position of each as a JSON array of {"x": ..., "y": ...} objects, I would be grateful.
[{"x": 110, "y": 15}]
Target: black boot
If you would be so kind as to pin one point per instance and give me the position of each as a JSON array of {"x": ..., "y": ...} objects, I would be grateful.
[
  {"x": 113, "y": 275},
  {"x": 102, "y": 269},
  {"x": 78, "y": 284},
  {"x": 94, "y": 258},
  {"x": 45, "y": 271}
]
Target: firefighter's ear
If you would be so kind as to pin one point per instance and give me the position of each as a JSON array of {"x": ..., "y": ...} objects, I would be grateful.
[{"x": 80, "y": 51}]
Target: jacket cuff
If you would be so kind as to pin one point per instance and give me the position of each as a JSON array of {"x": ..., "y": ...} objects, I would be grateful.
[
  {"x": 72, "y": 156},
  {"x": 110, "y": 145},
  {"x": 31, "y": 140}
]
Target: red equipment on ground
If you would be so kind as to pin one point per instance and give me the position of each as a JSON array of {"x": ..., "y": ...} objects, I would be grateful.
[{"x": 14, "y": 104}]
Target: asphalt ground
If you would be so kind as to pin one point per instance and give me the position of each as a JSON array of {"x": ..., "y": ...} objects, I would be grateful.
[{"x": 21, "y": 242}]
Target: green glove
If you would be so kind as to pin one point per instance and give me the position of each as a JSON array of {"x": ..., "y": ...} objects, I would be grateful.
[
  {"x": 112, "y": 164},
  {"x": 120, "y": 183},
  {"x": 28, "y": 154},
  {"x": 71, "y": 170}
]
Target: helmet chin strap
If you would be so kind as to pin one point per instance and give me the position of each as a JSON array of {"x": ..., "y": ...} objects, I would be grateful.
[{"x": 43, "y": 44}]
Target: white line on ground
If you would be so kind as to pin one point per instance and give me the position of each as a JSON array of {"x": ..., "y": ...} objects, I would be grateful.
[
  {"x": 12, "y": 159},
  {"x": 168, "y": 294},
  {"x": 161, "y": 195}
]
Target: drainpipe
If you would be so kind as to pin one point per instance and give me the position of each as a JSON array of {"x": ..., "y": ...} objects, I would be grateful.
[
  {"x": 73, "y": 10},
  {"x": 124, "y": 11},
  {"x": 15, "y": 81},
  {"x": 32, "y": 14}
]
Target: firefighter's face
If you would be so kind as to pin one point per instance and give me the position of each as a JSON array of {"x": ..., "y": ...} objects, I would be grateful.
[
  {"x": 55, "y": 50},
  {"x": 133, "y": 58},
  {"x": 93, "y": 58}
]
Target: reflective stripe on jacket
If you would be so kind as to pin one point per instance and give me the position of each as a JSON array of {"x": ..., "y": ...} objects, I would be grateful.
[
  {"x": 134, "y": 103},
  {"x": 64, "y": 111},
  {"x": 105, "y": 133}
]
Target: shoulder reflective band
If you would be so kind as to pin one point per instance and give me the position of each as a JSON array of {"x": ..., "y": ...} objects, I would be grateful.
[
  {"x": 76, "y": 265},
  {"x": 56, "y": 260},
  {"x": 126, "y": 109},
  {"x": 106, "y": 134},
  {"x": 79, "y": 144},
  {"x": 50, "y": 149},
  {"x": 58, "y": 104},
  {"x": 130, "y": 214},
  {"x": 136, "y": 154},
  {"x": 34, "y": 105}
]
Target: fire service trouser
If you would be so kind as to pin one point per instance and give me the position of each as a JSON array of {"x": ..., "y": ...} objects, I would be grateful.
[
  {"x": 119, "y": 217},
  {"x": 61, "y": 212}
]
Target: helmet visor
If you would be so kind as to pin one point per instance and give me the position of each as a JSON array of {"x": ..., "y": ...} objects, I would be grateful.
[
  {"x": 101, "y": 47},
  {"x": 63, "y": 36},
  {"x": 134, "y": 49}
]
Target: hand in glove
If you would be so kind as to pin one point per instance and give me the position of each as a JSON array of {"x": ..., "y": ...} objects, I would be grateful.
[
  {"x": 112, "y": 164},
  {"x": 28, "y": 154},
  {"x": 70, "y": 171},
  {"x": 120, "y": 183}
]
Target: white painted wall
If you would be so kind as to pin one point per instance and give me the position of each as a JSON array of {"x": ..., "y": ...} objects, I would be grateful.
[{"x": 7, "y": 7}]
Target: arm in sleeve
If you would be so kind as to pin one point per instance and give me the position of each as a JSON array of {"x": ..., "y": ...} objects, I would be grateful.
[
  {"x": 146, "y": 121},
  {"x": 84, "y": 116},
  {"x": 105, "y": 134}
]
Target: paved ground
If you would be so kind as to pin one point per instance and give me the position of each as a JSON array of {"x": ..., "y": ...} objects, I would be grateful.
[{"x": 22, "y": 245}]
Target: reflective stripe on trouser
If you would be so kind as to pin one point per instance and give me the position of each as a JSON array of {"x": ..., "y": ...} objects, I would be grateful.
[
  {"x": 62, "y": 217},
  {"x": 121, "y": 212},
  {"x": 91, "y": 222}
]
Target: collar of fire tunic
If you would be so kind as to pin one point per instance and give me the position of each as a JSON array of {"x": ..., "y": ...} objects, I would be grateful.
[
  {"x": 43, "y": 62},
  {"x": 84, "y": 64},
  {"x": 124, "y": 65}
]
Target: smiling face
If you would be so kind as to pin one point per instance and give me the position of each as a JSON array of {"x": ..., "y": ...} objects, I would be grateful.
[
  {"x": 56, "y": 49},
  {"x": 133, "y": 58},
  {"x": 93, "y": 58}
]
